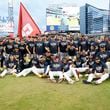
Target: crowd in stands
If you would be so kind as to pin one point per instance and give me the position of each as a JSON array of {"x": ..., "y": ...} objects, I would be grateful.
[{"x": 57, "y": 57}]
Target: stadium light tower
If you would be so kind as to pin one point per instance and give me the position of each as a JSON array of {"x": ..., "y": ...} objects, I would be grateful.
[{"x": 10, "y": 11}]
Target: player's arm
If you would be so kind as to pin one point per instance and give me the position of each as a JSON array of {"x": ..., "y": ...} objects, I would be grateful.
[
  {"x": 105, "y": 70},
  {"x": 47, "y": 49},
  {"x": 34, "y": 50},
  {"x": 68, "y": 46},
  {"x": 14, "y": 67},
  {"x": 28, "y": 49}
]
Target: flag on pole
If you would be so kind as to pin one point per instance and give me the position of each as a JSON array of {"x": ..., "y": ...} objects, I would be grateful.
[{"x": 26, "y": 25}]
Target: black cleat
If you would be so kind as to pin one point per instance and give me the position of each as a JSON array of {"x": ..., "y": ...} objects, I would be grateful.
[{"x": 86, "y": 82}]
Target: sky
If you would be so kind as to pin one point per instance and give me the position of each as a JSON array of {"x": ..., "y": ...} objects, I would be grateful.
[{"x": 37, "y": 8}]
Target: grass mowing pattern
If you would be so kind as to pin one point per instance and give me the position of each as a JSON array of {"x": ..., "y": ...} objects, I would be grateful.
[{"x": 32, "y": 93}]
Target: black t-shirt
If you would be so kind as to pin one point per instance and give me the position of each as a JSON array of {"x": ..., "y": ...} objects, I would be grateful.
[
  {"x": 92, "y": 53},
  {"x": 10, "y": 64},
  {"x": 78, "y": 63},
  {"x": 25, "y": 64},
  {"x": 17, "y": 55},
  {"x": 76, "y": 43},
  {"x": 56, "y": 66},
  {"x": 103, "y": 56},
  {"x": 63, "y": 46},
  {"x": 53, "y": 45},
  {"x": 90, "y": 63},
  {"x": 34, "y": 62},
  {"x": 66, "y": 67},
  {"x": 16, "y": 45},
  {"x": 71, "y": 50},
  {"x": 39, "y": 45},
  {"x": 41, "y": 65},
  {"x": 83, "y": 44},
  {"x": 91, "y": 43},
  {"x": 22, "y": 48},
  {"x": 46, "y": 44},
  {"x": 104, "y": 44},
  {"x": 9, "y": 47},
  {"x": 31, "y": 45},
  {"x": 83, "y": 58},
  {"x": 99, "y": 67}
]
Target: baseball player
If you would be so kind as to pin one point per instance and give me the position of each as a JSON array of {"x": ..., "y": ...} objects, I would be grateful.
[
  {"x": 10, "y": 66},
  {"x": 68, "y": 72},
  {"x": 55, "y": 70},
  {"x": 99, "y": 70}
]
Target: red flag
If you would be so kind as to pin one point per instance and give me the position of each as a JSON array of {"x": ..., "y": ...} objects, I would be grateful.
[{"x": 26, "y": 26}]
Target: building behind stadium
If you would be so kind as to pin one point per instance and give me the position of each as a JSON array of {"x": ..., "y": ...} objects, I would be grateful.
[{"x": 94, "y": 20}]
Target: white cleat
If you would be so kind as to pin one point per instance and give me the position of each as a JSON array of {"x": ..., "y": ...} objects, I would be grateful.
[{"x": 71, "y": 82}]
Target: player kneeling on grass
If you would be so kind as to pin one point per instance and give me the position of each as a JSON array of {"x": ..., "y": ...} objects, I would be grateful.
[
  {"x": 10, "y": 66},
  {"x": 55, "y": 70},
  {"x": 68, "y": 72},
  {"x": 37, "y": 66},
  {"x": 99, "y": 71}
]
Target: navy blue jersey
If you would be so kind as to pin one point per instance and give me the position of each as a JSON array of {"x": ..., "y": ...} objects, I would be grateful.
[
  {"x": 39, "y": 46},
  {"x": 83, "y": 58},
  {"x": 83, "y": 45},
  {"x": 31, "y": 45},
  {"x": 48, "y": 60},
  {"x": 90, "y": 63},
  {"x": 76, "y": 43},
  {"x": 42, "y": 65},
  {"x": 25, "y": 64},
  {"x": 92, "y": 43},
  {"x": 71, "y": 50},
  {"x": 78, "y": 63},
  {"x": 103, "y": 44},
  {"x": 34, "y": 62},
  {"x": 22, "y": 48},
  {"x": 53, "y": 45},
  {"x": 10, "y": 64},
  {"x": 56, "y": 66},
  {"x": 9, "y": 47},
  {"x": 17, "y": 55},
  {"x": 99, "y": 67},
  {"x": 92, "y": 53},
  {"x": 66, "y": 67},
  {"x": 46, "y": 44},
  {"x": 63, "y": 46},
  {"x": 103, "y": 56},
  {"x": 16, "y": 45}
]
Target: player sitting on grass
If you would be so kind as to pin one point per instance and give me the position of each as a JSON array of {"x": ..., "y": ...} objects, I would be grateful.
[
  {"x": 99, "y": 70},
  {"x": 78, "y": 66},
  {"x": 68, "y": 72},
  {"x": 37, "y": 66},
  {"x": 10, "y": 66},
  {"x": 55, "y": 70}
]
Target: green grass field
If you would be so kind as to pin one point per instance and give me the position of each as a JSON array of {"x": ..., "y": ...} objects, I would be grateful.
[{"x": 32, "y": 93}]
